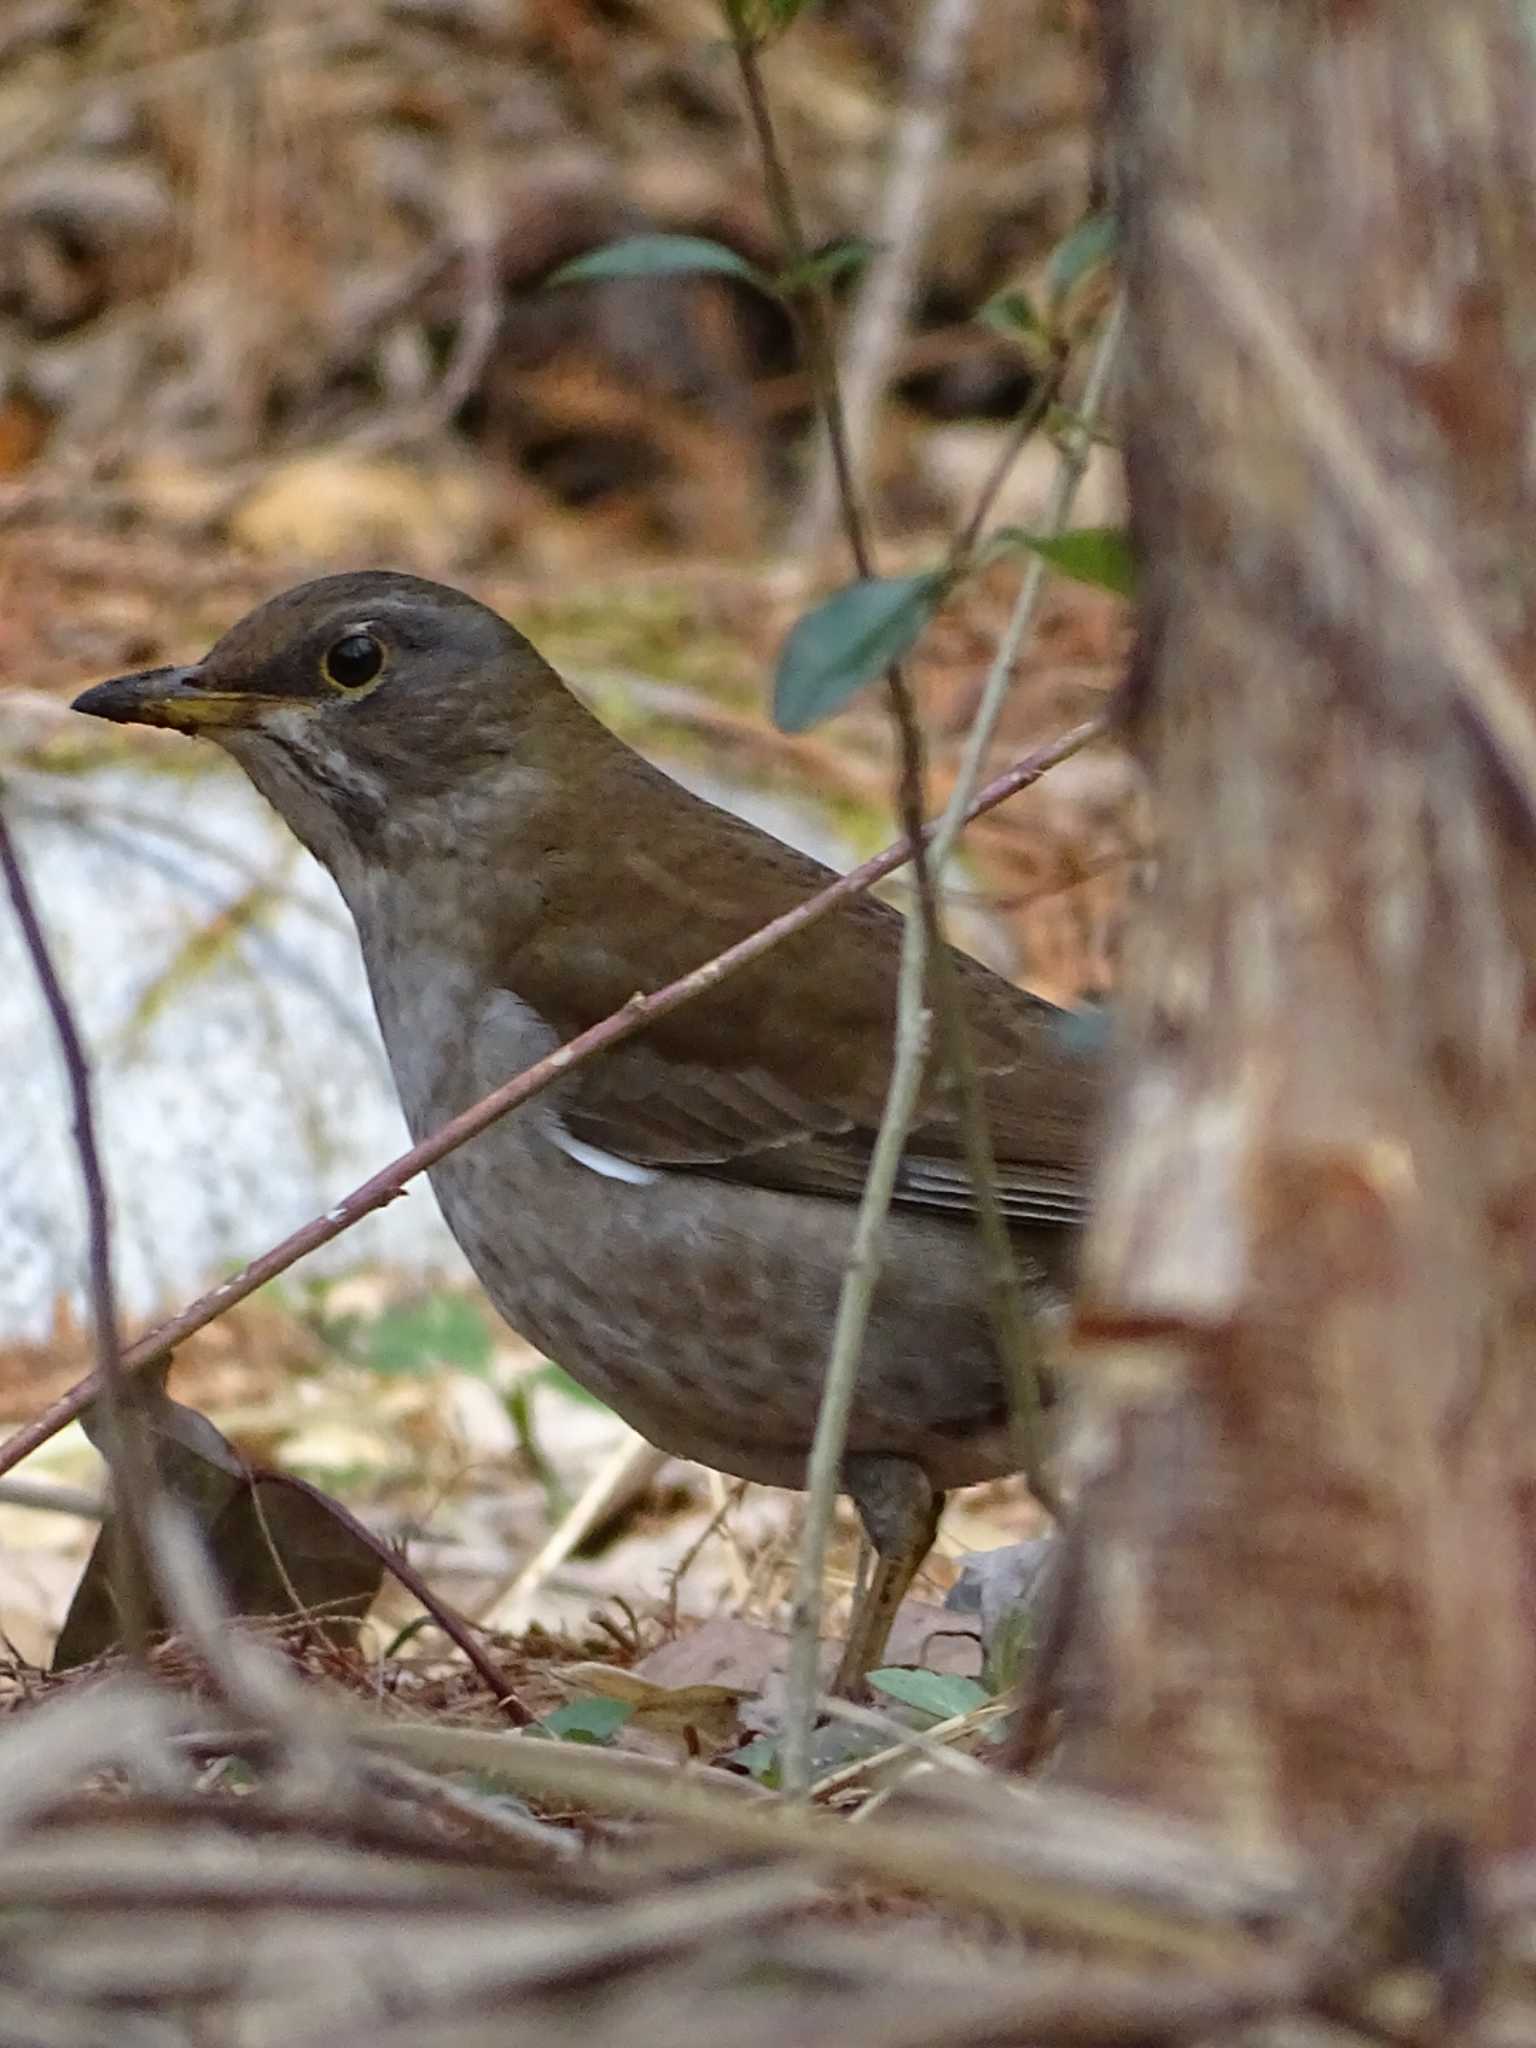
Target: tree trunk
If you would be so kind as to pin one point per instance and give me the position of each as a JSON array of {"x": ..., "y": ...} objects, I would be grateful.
[{"x": 1309, "y": 1304}]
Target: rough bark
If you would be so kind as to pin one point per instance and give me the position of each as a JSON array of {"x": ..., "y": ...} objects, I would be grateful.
[{"x": 1310, "y": 1295}]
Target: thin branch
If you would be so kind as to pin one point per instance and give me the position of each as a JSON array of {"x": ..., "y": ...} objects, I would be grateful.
[
  {"x": 924, "y": 955},
  {"x": 880, "y": 311},
  {"x": 133, "y": 1476},
  {"x": 1031, "y": 417},
  {"x": 823, "y": 1473},
  {"x": 922, "y": 943},
  {"x": 453, "y": 1625},
  {"x": 1017, "y": 1341},
  {"x": 49, "y": 1499},
  {"x": 1076, "y": 449},
  {"x": 1036, "y": 1858},
  {"x": 810, "y": 299},
  {"x": 390, "y": 1181},
  {"x": 1017, "y": 1345}
]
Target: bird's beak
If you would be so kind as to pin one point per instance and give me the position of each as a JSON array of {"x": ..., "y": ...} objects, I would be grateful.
[{"x": 177, "y": 697}]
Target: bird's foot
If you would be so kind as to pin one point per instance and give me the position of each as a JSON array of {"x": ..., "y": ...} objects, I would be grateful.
[{"x": 900, "y": 1511}]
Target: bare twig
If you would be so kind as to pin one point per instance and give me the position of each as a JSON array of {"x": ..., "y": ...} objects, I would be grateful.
[
  {"x": 127, "y": 1451},
  {"x": 922, "y": 944},
  {"x": 1031, "y": 417},
  {"x": 1016, "y": 1345},
  {"x": 621, "y": 1478},
  {"x": 809, "y": 300},
  {"x": 907, "y": 1749},
  {"x": 729, "y": 1497},
  {"x": 390, "y": 1181},
  {"x": 886, "y": 295},
  {"x": 1058, "y": 1863},
  {"x": 1077, "y": 447},
  {"x": 452, "y": 1624},
  {"x": 52, "y": 1500},
  {"x": 824, "y": 1467}
]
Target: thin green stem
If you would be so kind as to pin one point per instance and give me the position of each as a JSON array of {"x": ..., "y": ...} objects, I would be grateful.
[
  {"x": 124, "y": 1439},
  {"x": 912, "y": 1027},
  {"x": 1030, "y": 419},
  {"x": 810, "y": 302}
]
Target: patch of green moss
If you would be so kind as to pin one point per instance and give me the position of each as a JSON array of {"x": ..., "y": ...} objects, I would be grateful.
[{"x": 652, "y": 627}]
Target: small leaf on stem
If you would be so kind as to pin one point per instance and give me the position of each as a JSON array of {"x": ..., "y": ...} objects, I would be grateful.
[
  {"x": 943, "y": 1694},
  {"x": 662, "y": 256},
  {"x": 1088, "y": 248},
  {"x": 836, "y": 259},
  {"x": 762, "y": 19},
  {"x": 846, "y": 641},
  {"x": 1014, "y": 315},
  {"x": 594, "y": 1721},
  {"x": 1100, "y": 555}
]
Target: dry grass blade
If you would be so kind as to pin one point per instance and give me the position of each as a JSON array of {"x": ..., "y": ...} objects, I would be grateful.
[
  {"x": 908, "y": 1750},
  {"x": 115, "y": 1723},
  {"x": 294, "y": 1914},
  {"x": 1057, "y": 1880}
]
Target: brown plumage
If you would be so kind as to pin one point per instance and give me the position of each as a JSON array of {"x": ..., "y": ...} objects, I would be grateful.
[{"x": 672, "y": 1223}]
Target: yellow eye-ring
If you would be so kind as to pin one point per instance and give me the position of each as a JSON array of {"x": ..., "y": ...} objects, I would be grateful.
[{"x": 353, "y": 660}]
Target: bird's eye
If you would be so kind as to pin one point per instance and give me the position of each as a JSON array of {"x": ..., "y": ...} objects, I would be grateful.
[{"x": 353, "y": 660}]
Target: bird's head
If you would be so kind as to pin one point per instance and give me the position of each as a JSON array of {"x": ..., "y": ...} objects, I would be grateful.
[{"x": 354, "y": 701}]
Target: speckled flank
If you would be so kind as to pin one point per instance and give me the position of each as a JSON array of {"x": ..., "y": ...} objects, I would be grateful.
[{"x": 746, "y": 1269}]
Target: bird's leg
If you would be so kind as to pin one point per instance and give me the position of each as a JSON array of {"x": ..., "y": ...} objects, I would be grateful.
[{"x": 900, "y": 1512}]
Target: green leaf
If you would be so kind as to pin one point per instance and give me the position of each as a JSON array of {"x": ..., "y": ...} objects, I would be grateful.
[
  {"x": 441, "y": 1329},
  {"x": 1100, "y": 555},
  {"x": 846, "y": 641},
  {"x": 759, "y": 1758},
  {"x": 519, "y": 1404},
  {"x": 834, "y": 259},
  {"x": 592, "y": 1721},
  {"x": 762, "y": 19},
  {"x": 1090, "y": 245},
  {"x": 941, "y": 1694},
  {"x": 1013, "y": 314},
  {"x": 1011, "y": 1650},
  {"x": 662, "y": 256}
]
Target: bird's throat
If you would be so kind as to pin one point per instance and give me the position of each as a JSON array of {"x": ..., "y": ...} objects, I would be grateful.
[{"x": 329, "y": 799}]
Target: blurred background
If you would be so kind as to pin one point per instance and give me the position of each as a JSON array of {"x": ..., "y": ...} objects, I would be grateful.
[{"x": 273, "y": 300}]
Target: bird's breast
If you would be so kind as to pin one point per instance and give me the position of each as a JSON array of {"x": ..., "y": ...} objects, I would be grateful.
[
  {"x": 699, "y": 1309},
  {"x": 450, "y": 1040}
]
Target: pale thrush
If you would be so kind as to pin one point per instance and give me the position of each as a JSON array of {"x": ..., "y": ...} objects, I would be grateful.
[{"x": 672, "y": 1223}]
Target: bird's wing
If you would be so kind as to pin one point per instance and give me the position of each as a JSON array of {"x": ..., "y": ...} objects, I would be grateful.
[
  {"x": 777, "y": 1077},
  {"x": 638, "y": 1104},
  {"x": 803, "y": 1127}
]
